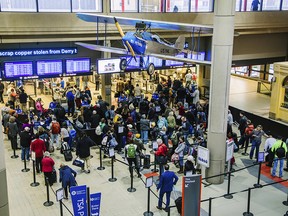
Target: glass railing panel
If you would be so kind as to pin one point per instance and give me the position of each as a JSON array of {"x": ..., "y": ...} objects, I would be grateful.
[
  {"x": 86, "y": 5},
  {"x": 18, "y": 5}
]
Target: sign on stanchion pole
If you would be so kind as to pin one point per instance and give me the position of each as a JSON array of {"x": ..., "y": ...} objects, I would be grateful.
[
  {"x": 100, "y": 167},
  {"x": 112, "y": 154},
  {"x": 25, "y": 163},
  {"x": 229, "y": 156},
  {"x": 59, "y": 198},
  {"x": 155, "y": 147},
  {"x": 34, "y": 183},
  {"x": 261, "y": 158},
  {"x": 149, "y": 183},
  {"x": 248, "y": 213},
  {"x": 79, "y": 200},
  {"x": 48, "y": 202},
  {"x": 95, "y": 200}
]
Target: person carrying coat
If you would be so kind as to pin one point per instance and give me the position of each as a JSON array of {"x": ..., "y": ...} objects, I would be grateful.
[{"x": 67, "y": 178}]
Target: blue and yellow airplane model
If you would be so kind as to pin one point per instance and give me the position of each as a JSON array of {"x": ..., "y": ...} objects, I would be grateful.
[{"x": 144, "y": 43}]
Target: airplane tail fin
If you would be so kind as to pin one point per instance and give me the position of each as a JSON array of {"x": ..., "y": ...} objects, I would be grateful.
[{"x": 180, "y": 42}]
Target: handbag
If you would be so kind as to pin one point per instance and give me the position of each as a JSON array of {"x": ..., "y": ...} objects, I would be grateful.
[
  {"x": 162, "y": 159},
  {"x": 78, "y": 162},
  {"x": 174, "y": 157}
]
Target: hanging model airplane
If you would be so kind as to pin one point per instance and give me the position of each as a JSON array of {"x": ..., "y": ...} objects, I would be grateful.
[{"x": 144, "y": 43}]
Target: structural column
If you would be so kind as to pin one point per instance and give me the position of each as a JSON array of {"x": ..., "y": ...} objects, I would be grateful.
[
  {"x": 106, "y": 79},
  {"x": 222, "y": 47},
  {"x": 4, "y": 207}
]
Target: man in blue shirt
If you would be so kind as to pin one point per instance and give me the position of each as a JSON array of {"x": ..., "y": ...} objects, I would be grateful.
[{"x": 167, "y": 180}]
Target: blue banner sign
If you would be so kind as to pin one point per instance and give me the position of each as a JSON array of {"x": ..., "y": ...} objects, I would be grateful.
[
  {"x": 95, "y": 200},
  {"x": 79, "y": 200},
  {"x": 38, "y": 52}
]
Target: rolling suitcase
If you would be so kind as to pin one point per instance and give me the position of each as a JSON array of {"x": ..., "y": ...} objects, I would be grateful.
[
  {"x": 54, "y": 176},
  {"x": 68, "y": 155},
  {"x": 178, "y": 203},
  {"x": 146, "y": 162}
]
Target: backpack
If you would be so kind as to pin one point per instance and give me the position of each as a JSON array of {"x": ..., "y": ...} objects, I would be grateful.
[
  {"x": 113, "y": 143},
  {"x": 104, "y": 141},
  {"x": 108, "y": 114},
  {"x": 280, "y": 152},
  {"x": 131, "y": 151},
  {"x": 161, "y": 123},
  {"x": 98, "y": 130},
  {"x": 55, "y": 128}
]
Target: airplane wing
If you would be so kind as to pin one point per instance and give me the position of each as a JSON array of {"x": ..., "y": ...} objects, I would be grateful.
[
  {"x": 151, "y": 23},
  {"x": 103, "y": 48},
  {"x": 174, "y": 58}
]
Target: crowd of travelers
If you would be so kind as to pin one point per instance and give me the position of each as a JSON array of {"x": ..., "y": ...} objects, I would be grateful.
[{"x": 172, "y": 124}]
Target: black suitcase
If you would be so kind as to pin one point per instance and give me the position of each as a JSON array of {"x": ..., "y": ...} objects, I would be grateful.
[
  {"x": 146, "y": 162},
  {"x": 54, "y": 176},
  {"x": 68, "y": 155},
  {"x": 178, "y": 203}
]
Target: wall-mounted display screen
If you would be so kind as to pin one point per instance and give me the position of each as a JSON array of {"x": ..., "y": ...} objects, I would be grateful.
[
  {"x": 18, "y": 69},
  {"x": 49, "y": 68},
  {"x": 80, "y": 65},
  {"x": 105, "y": 66}
]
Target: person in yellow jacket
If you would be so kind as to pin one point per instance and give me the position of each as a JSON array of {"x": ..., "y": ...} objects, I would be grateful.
[{"x": 279, "y": 149}]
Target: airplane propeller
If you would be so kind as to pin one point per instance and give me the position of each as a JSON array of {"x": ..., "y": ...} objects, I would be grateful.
[{"x": 126, "y": 42}]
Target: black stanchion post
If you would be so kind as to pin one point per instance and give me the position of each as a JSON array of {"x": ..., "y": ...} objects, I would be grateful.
[
  {"x": 154, "y": 169},
  {"x": 14, "y": 156},
  {"x": 248, "y": 213},
  {"x": 258, "y": 185},
  {"x": 210, "y": 206},
  {"x": 61, "y": 208},
  {"x": 131, "y": 188},
  {"x": 148, "y": 213},
  {"x": 48, "y": 202},
  {"x": 25, "y": 165},
  {"x": 112, "y": 179},
  {"x": 228, "y": 195},
  {"x": 34, "y": 183},
  {"x": 168, "y": 213},
  {"x": 88, "y": 202},
  {"x": 101, "y": 167}
]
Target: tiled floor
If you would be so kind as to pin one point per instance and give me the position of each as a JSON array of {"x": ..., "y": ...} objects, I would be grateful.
[{"x": 28, "y": 201}]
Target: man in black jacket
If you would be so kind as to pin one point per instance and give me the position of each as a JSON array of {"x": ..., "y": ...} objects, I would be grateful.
[
  {"x": 23, "y": 100},
  {"x": 83, "y": 150},
  {"x": 25, "y": 141}
]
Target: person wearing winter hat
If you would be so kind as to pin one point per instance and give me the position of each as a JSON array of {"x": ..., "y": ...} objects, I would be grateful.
[{"x": 189, "y": 168}]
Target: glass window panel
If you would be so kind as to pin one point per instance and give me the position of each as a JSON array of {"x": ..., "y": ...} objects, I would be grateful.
[
  {"x": 201, "y": 5},
  {"x": 271, "y": 5},
  {"x": 285, "y": 5},
  {"x": 87, "y": 5},
  {"x": 253, "y": 5},
  {"x": 177, "y": 6},
  {"x": 54, "y": 6},
  {"x": 151, "y": 5},
  {"x": 18, "y": 5},
  {"x": 124, "y": 6}
]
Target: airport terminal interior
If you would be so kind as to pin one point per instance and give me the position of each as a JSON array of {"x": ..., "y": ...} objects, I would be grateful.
[{"x": 47, "y": 45}]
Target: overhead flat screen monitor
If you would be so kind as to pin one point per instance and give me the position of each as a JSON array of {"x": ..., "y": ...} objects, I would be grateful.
[
  {"x": 79, "y": 66},
  {"x": 14, "y": 70},
  {"x": 49, "y": 68},
  {"x": 106, "y": 66}
]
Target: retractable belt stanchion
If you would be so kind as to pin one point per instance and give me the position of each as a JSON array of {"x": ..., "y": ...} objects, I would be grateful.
[
  {"x": 148, "y": 213},
  {"x": 112, "y": 179},
  {"x": 248, "y": 213},
  {"x": 48, "y": 202},
  {"x": 154, "y": 169},
  {"x": 286, "y": 202},
  {"x": 34, "y": 183},
  {"x": 61, "y": 208},
  {"x": 131, "y": 188},
  {"x": 258, "y": 185},
  {"x": 210, "y": 206},
  {"x": 14, "y": 156},
  {"x": 228, "y": 195},
  {"x": 25, "y": 165},
  {"x": 100, "y": 167}
]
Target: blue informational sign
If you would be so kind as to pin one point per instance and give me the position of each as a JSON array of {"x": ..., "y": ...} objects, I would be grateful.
[
  {"x": 39, "y": 52},
  {"x": 79, "y": 200},
  {"x": 95, "y": 200}
]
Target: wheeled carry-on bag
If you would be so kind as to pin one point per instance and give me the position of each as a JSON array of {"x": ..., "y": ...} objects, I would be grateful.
[
  {"x": 68, "y": 155},
  {"x": 146, "y": 162},
  {"x": 178, "y": 203}
]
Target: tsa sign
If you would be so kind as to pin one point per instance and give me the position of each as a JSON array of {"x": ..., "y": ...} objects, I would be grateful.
[
  {"x": 203, "y": 156},
  {"x": 95, "y": 200},
  {"x": 79, "y": 200},
  {"x": 229, "y": 149}
]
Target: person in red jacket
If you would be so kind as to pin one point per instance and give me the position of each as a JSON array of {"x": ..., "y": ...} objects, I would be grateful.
[
  {"x": 47, "y": 167},
  {"x": 38, "y": 146},
  {"x": 161, "y": 155}
]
